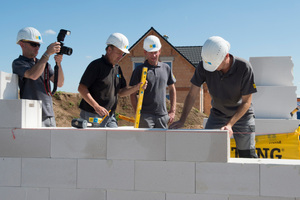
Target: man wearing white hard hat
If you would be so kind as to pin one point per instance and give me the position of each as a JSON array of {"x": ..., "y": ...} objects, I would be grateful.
[
  {"x": 154, "y": 113},
  {"x": 230, "y": 82},
  {"x": 31, "y": 71},
  {"x": 103, "y": 81}
]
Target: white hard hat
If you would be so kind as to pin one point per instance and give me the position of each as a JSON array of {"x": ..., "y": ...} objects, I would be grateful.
[
  {"x": 213, "y": 53},
  {"x": 29, "y": 34},
  {"x": 118, "y": 40},
  {"x": 152, "y": 43}
]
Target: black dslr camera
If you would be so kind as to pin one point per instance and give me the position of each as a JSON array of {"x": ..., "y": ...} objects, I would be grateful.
[{"x": 60, "y": 38}]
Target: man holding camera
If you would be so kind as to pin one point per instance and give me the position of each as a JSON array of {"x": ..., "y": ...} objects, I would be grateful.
[
  {"x": 103, "y": 81},
  {"x": 31, "y": 71}
]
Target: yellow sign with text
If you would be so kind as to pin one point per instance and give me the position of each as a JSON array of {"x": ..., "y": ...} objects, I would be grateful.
[{"x": 275, "y": 146}]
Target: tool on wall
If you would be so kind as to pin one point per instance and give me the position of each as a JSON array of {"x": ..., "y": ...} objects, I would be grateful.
[
  {"x": 93, "y": 122},
  {"x": 129, "y": 119},
  {"x": 140, "y": 99},
  {"x": 295, "y": 110}
]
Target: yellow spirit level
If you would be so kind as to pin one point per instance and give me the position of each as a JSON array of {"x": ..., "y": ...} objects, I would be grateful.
[
  {"x": 129, "y": 119},
  {"x": 140, "y": 100}
]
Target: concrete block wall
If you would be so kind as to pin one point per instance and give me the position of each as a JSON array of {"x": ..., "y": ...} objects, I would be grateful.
[
  {"x": 272, "y": 126},
  {"x": 276, "y": 95},
  {"x": 135, "y": 164},
  {"x": 8, "y": 86},
  {"x": 273, "y": 70},
  {"x": 20, "y": 113},
  {"x": 275, "y": 102},
  {"x": 15, "y": 112}
]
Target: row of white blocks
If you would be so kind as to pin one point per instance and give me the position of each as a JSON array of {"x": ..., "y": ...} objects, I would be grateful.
[
  {"x": 276, "y": 96},
  {"x": 116, "y": 144},
  {"x": 272, "y": 126},
  {"x": 14, "y": 112},
  {"x": 135, "y": 164},
  {"x": 8, "y": 86}
]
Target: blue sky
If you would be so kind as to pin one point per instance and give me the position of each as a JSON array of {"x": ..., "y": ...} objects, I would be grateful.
[{"x": 254, "y": 28}]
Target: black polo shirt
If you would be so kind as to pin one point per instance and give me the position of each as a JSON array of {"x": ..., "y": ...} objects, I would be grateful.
[
  {"x": 227, "y": 89},
  {"x": 103, "y": 81}
]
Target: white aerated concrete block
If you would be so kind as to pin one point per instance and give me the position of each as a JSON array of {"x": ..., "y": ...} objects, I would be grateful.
[
  {"x": 136, "y": 145},
  {"x": 56, "y": 173},
  {"x": 25, "y": 143},
  {"x": 8, "y": 86},
  {"x": 159, "y": 176},
  {"x": 18, "y": 193},
  {"x": 176, "y": 196},
  {"x": 244, "y": 197},
  {"x": 199, "y": 146},
  {"x": 20, "y": 113},
  {"x": 134, "y": 195},
  {"x": 273, "y": 71},
  {"x": 110, "y": 174},
  {"x": 227, "y": 178},
  {"x": 274, "y": 102},
  {"x": 78, "y": 143},
  {"x": 280, "y": 180},
  {"x": 10, "y": 169},
  {"x": 77, "y": 194},
  {"x": 273, "y": 126}
]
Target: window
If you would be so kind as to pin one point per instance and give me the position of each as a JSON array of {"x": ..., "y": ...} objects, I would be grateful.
[
  {"x": 135, "y": 64},
  {"x": 167, "y": 60},
  {"x": 169, "y": 63},
  {"x": 136, "y": 61}
]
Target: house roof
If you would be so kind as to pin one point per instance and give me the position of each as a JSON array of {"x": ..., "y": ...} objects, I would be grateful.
[{"x": 191, "y": 53}]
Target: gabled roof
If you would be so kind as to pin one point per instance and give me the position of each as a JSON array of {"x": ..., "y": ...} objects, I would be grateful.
[{"x": 191, "y": 53}]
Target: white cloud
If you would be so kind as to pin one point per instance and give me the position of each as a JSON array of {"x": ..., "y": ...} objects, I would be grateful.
[{"x": 50, "y": 32}]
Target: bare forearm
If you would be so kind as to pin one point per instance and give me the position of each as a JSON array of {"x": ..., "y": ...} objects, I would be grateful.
[
  {"x": 61, "y": 77},
  {"x": 172, "y": 92},
  {"x": 188, "y": 104},
  {"x": 82, "y": 89},
  {"x": 128, "y": 90},
  {"x": 36, "y": 71},
  {"x": 133, "y": 100},
  {"x": 239, "y": 114},
  {"x": 242, "y": 109}
]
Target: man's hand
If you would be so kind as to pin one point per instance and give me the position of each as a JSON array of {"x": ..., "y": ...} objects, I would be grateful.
[
  {"x": 53, "y": 48},
  {"x": 101, "y": 111},
  {"x": 229, "y": 128},
  {"x": 58, "y": 58},
  {"x": 144, "y": 86},
  {"x": 172, "y": 116}
]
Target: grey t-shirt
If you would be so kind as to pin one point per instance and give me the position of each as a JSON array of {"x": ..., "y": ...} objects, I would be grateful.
[
  {"x": 158, "y": 77},
  {"x": 227, "y": 89},
  {"x": 33, "y": 89}
]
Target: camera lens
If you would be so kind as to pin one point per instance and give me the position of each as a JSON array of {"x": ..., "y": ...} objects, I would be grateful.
[{"x": 66, "y": 50}]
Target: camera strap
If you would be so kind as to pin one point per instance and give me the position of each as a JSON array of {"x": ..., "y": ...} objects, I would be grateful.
[
  {"x": 47, "y": 80},
  {"x": 55, "y": 79}
]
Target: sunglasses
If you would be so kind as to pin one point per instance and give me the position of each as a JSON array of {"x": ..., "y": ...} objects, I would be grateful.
[{"x": 33, "y": 44}]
